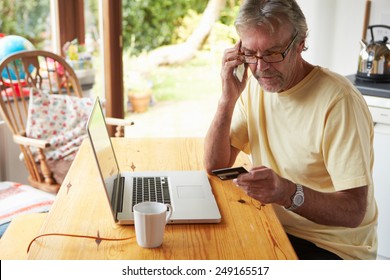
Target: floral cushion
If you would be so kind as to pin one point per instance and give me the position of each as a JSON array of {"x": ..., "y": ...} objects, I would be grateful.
[
  {"x": 60, "y": 119},
  {"x": 17, "y": 199}
]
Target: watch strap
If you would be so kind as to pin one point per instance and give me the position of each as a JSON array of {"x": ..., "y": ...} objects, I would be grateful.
[{"x": 298, "y": 192}]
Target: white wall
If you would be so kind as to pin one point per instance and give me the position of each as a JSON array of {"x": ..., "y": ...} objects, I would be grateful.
[
  {"x": 335, "y": 29},
  {"x": 380, "y": 12},
  {"x": 11, "y": 168},
  {"x": 2, "y": 158}
]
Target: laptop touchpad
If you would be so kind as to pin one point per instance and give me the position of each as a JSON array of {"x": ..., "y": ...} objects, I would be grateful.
[{"x": 190, "y": 192}]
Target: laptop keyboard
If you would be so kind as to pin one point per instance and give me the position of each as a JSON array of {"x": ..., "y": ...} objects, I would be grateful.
[{"x": 150, "y": 189}]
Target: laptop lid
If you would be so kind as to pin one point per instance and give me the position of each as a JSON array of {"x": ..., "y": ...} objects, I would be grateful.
[{"x": 104, "y": 154}]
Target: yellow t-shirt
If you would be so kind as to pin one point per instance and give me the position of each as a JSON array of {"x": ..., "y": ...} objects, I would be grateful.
[{"x": 319, "y": 134}]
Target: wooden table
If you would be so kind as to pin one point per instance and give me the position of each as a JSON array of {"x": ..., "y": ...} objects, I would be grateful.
[{"x": 247, "y": 231}]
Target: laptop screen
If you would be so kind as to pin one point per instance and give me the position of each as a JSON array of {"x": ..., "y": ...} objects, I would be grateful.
[{"x": 102, "y": 147}]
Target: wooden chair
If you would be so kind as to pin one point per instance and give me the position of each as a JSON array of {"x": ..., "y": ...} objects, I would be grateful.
[{"x": 20, "y": 73}]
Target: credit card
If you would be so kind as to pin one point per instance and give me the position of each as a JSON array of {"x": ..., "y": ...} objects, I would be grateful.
[{"x": 229, "y": 173}]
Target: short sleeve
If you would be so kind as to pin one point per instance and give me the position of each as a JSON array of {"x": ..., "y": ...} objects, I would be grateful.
[{"x": 347, "y": 148}]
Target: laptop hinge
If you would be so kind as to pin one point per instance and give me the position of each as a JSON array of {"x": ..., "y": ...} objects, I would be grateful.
[{"x": 117, "y": 194}]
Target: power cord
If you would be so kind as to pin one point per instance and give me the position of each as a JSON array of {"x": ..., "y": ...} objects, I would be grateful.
[{"x": 97, "y": 238}]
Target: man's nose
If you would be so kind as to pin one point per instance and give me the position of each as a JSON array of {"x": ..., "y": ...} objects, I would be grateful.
[{"x": 262, "y": 65}]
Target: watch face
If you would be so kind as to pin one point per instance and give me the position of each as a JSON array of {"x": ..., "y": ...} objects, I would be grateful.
[{"x": 298, "y": 200}]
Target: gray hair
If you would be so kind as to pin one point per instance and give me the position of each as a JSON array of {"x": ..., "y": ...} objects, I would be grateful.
[{"x": 265, "y": 12}]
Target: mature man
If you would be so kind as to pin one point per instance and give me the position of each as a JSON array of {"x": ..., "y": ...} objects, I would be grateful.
[{"x": 307, "y": 129}]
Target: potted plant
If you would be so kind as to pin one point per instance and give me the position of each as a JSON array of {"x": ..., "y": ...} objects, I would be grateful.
[{"x": 139, "y": 92}]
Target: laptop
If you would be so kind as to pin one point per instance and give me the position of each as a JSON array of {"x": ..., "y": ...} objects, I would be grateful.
[{"x": 188, "y": 192}]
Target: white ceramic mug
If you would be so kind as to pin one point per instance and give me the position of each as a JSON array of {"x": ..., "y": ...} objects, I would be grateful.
[{"x": 150, "y": 219}]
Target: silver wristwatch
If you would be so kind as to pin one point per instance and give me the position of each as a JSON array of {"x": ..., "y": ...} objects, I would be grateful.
[{"x": 297, "y": 199}]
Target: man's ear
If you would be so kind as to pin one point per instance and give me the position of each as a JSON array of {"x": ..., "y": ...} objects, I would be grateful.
[{"x": 302, "y": 46}]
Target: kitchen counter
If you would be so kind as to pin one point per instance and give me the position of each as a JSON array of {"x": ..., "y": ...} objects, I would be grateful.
[{"x": 378, "y": 89}]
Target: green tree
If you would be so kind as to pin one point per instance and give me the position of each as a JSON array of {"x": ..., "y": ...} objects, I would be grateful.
[
  {"x": 25, "y": 18},
  {"x": 184, "y": 51},
  {"x": 148, "y": 24}
]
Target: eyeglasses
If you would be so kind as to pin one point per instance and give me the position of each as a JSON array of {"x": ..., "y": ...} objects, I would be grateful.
[{"x": 270, "y": 58}]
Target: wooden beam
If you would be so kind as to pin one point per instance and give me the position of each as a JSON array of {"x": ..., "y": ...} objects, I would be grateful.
[
  {"x": 113, "y": 67},
  {"x": 366, "y": 19},
  {"x": 71, "y": 21}
]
